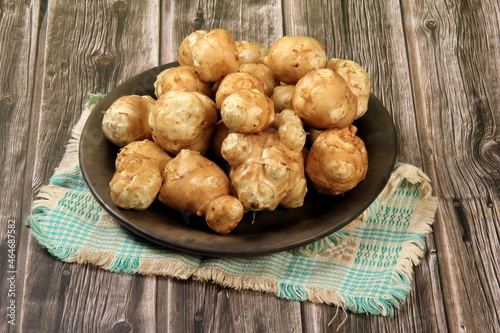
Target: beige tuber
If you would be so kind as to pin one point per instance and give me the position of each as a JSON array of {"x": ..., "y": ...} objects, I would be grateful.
[
  {"x": 146, "y": 148},
  {"x": 126, "y": 120},
  {"x": 323, "y": 100},
  {"x": 337, "y": 160},
  {"x": 183, "y": 120},
  {"x": 282, "y": 97},
  {"x": 215, "y": 55},
  {"x": 292, "y": 57},
  {"x": 184, "y": 52},
  {"x": 135, "y": 183},
  {"x": 250, "y": 52},
  {"x": 356, "y": 78},
  {"x": 195, "y": 185},
  {"x": 267, "y": 168},
  {"x": 180, "y": 78},
  {"x": 236, "y": 81},
  {"x": 247, "y": 111},
  {"x": 263, "y": 73}
]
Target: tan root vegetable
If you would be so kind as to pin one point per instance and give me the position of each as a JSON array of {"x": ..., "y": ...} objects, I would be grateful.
[
  {"x": 323, "y": 100},
  {"x": 215, "y": 55},
  {"x": 236, "y": 81},
  {"x": 181, "y": 78},
  {"x": 263, "y": 73},
  {"x": 282, "y": 97},
  {"x": 247, "y": 111},
  {"x": 147, "y": 149},
  {"x": 135, "y": 183},
  {"x": 126, "y": 120},
  {"x": 267, "y": 168},
  {"x": 356, "y": 78},
  {"x": 183, "y": 120},
  {"x": 184, "y": 51},
  {"x": 337, "y": 160},
  {"x": 250, "y": 52},
  {"x": 292, "y": 57},
  {"x": 195, "y": 185}
]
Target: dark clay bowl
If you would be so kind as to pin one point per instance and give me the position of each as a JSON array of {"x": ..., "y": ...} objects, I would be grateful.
[{"x": 266, "y": 232}]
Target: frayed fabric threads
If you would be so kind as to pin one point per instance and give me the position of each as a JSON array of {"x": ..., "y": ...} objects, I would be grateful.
[{"x": 367, "y": 267}]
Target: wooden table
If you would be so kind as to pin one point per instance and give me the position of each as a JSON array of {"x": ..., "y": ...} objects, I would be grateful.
[{"x": 434, "y": 64}]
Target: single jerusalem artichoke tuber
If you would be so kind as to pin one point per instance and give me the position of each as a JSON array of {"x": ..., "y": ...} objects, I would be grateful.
[
  {"x": 126, "y": 120},
  {"x": 236, "y": 81},
  {"x": 184, "y": 52},
  {"x": 135, "y": 183},
  {"x": 215, "y": 55},
  {"x": 337, "y": 160},
  {"x": 292, "y": 57},
  {"x": 146, "y": 148},
  {"x": 183, "y": 120},
  {"x": 323, "y": 99},
  {"x": 247, "y": 111},
  {"x": 195, "y": 185},
  {"x": 181, "y": 78}
]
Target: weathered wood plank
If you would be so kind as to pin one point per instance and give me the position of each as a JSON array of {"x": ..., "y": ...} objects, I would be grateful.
[
  {"x": 205, "y": 307},
  {"x": 89, "y": 47},
  {"x": 371, "y": 33},
  {"x": 18, "y": 44},
  {"x": 455, "y": 60}
]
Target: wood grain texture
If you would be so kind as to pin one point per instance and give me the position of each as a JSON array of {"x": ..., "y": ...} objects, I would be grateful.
[
  {"x": 454, "y": 66},
  {"x": 18, "y": 44},
  {"x": 89, "y": 47}
]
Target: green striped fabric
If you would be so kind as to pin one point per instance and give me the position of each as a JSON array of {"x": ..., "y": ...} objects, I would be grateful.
[{"x": 367, "y": 267}]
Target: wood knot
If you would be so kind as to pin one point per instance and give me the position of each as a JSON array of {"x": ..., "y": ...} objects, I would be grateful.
[
  {"x": 7, "y": 100},
  {"x": 122, "y": 327},
  {"x": 199, "y": 20},
  {"x": 198, "y": 318},
  {"x": 120, "y": 5},
  {"x": 104, "y": 59},
  {"x": 66, "y": 272},
  {"x": 431, "y": 24}
]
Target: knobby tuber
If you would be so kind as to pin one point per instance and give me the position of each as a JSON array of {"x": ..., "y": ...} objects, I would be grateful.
[
  {"x": 337, "y": 160},
  {"x": 194, "y": 184},
  {"x": 126, "y": 120}
]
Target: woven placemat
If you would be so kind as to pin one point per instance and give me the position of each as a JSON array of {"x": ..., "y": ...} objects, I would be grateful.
[{"x": 367, "y": 267}]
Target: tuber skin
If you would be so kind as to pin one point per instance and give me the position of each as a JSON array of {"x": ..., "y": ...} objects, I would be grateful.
[
  {"x": 323, "y": 100},
  {"x": 292, "y": 57},
  {"x": 267, "y": 168},
  {"x": 282, "y": 97},
  {"x": 146, "y": 148},
  {"x": 356, "y": 78},
  {"x": 195, "y": 185},
  {"x": 250, "y": 52},
  {"x": 247, "y": 111},
  {"x": 183, "y": 120},
  {"x": 337, "y": 160},
  {"x": 236, "y": 81},
  {"x": 135, "y": 183},
  {"x": 184, "y": 78},
  {"x": 263, "y": 73},
  {"x": 215, "y": 55},
  {"x": 184, "y": 52},
  {"x": 126, "y": 120}
]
